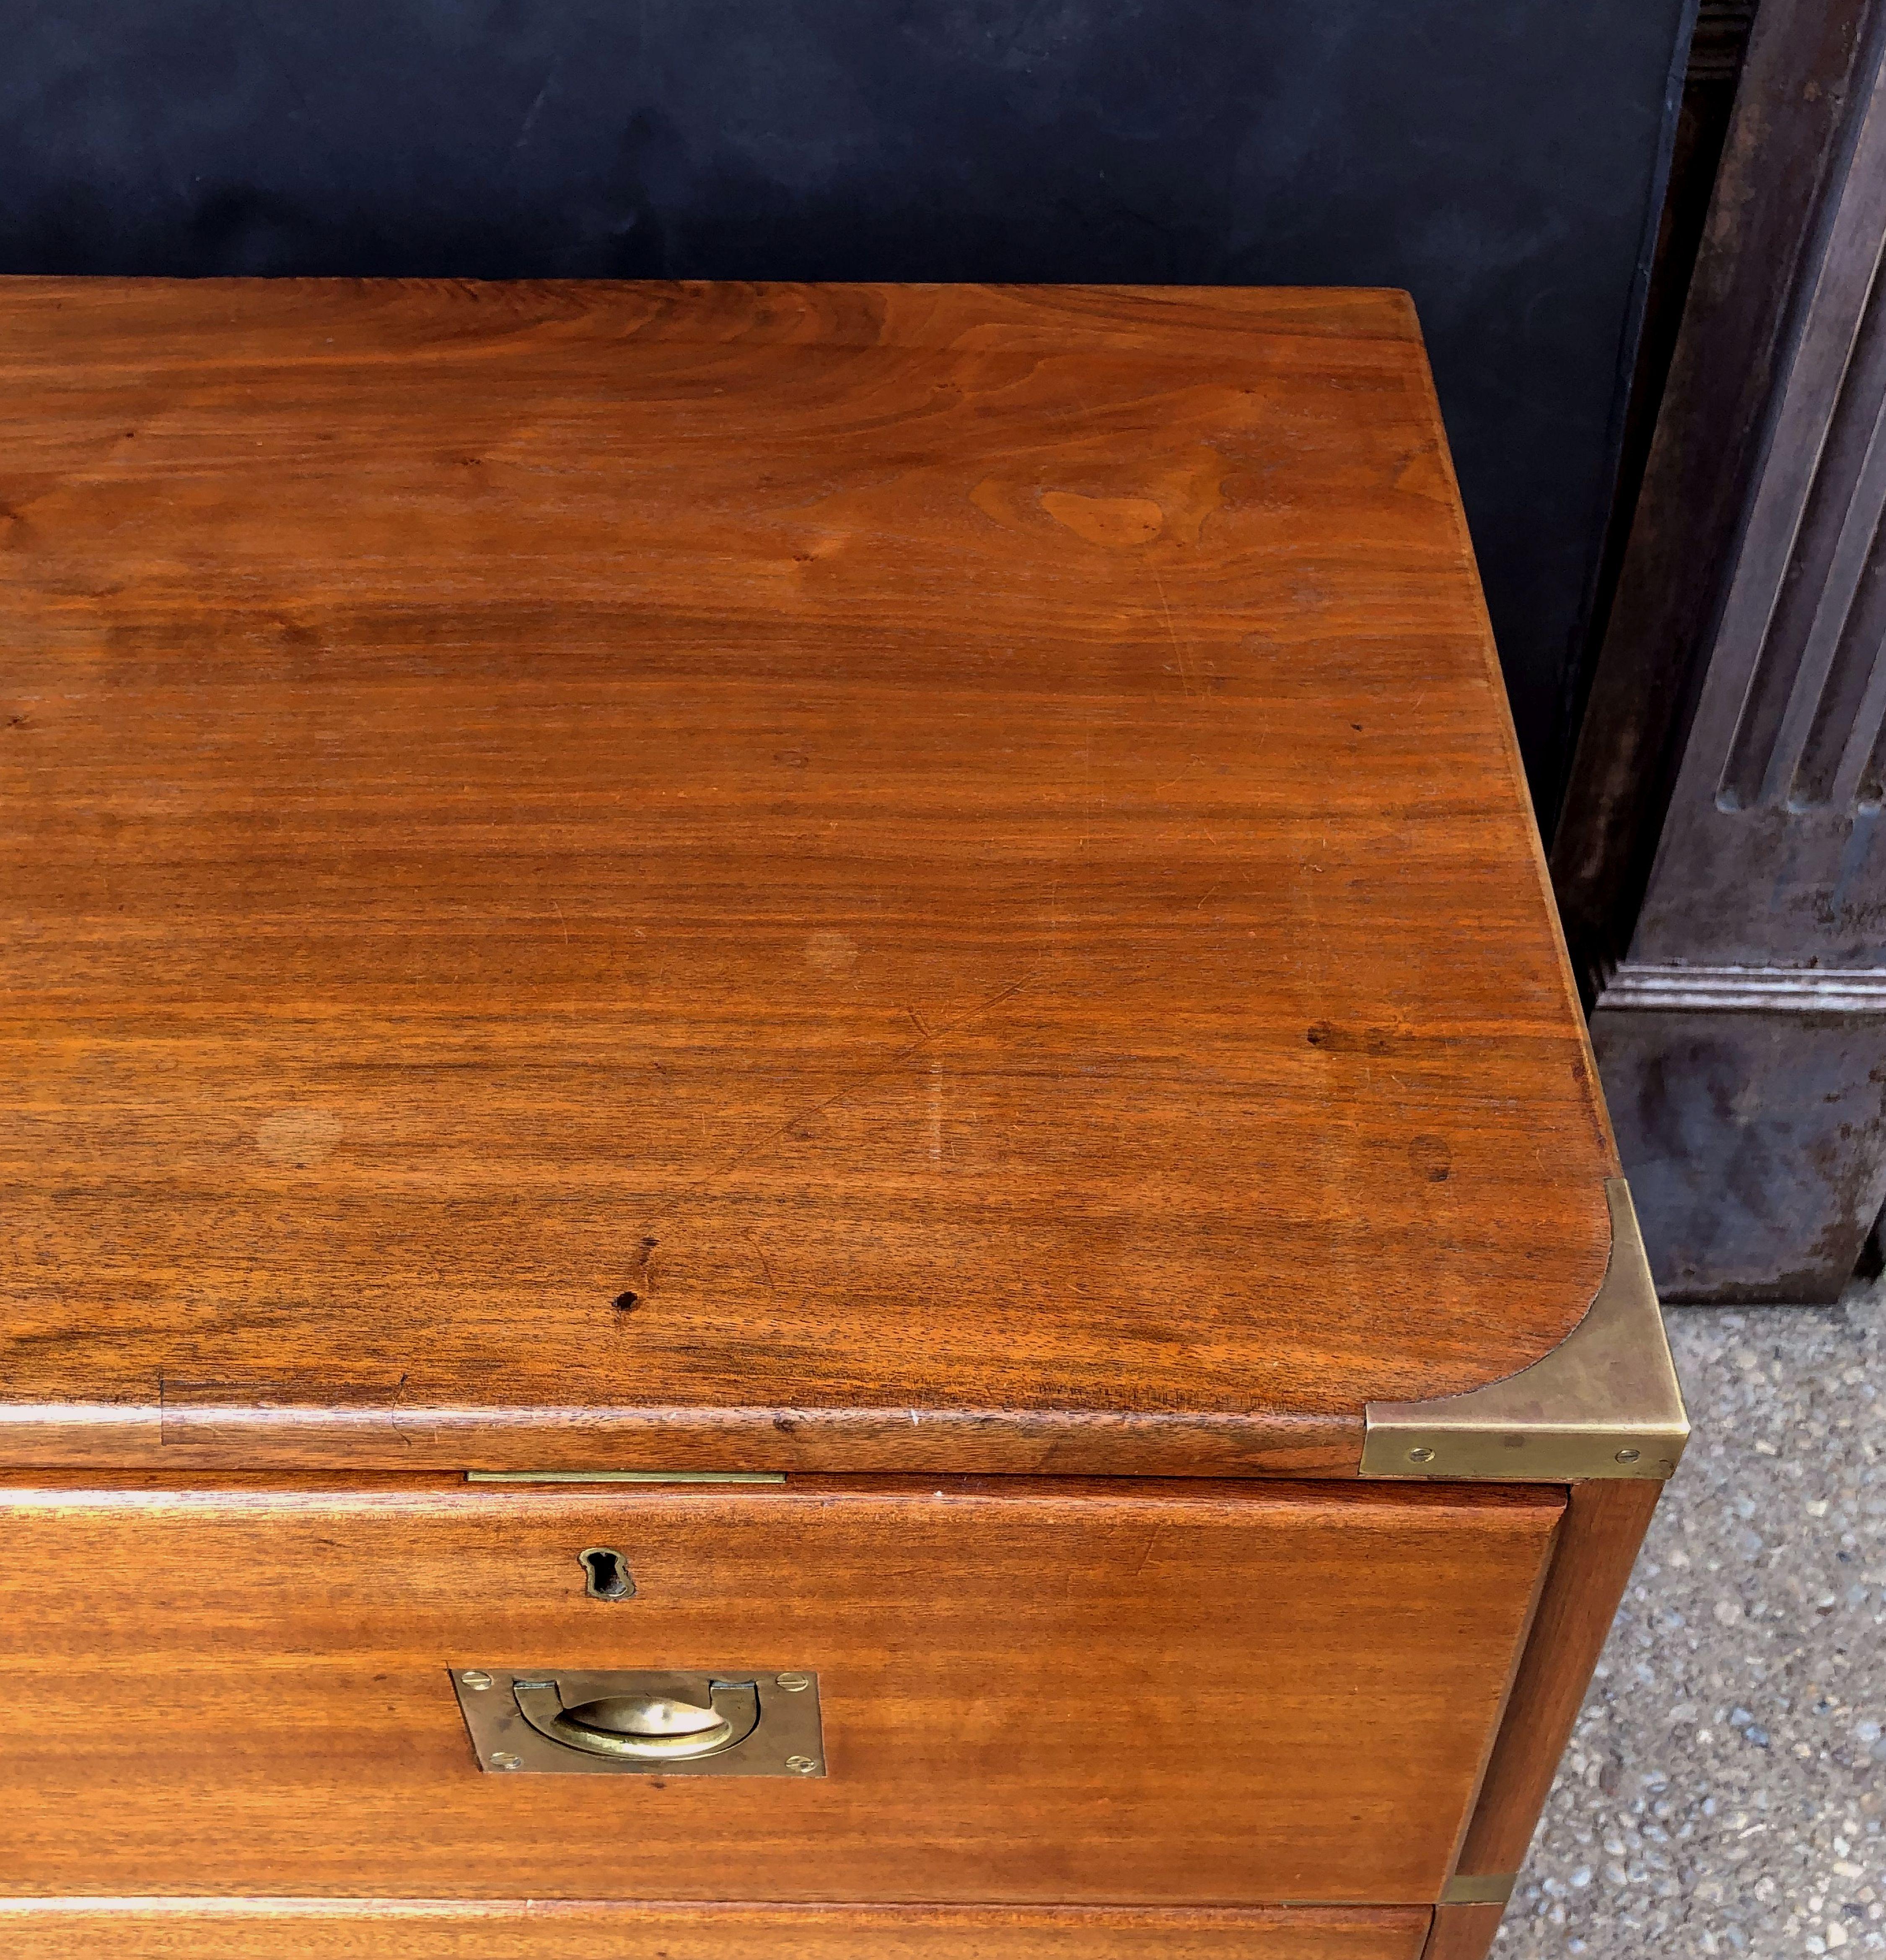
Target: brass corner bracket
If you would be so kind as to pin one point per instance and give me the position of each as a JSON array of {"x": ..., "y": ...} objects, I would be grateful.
[{"x": 1603, "y": 1403}]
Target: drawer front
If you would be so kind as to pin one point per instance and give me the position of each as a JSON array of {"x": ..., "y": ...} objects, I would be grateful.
[
  {"x": 314, "y": 1929},
  {"x": 432, "y": 1930},
  {"x": 1031, "y": 1691}
]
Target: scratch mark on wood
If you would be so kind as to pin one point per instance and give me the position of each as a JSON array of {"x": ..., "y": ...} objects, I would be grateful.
[
  {"x": 1151, "y": 1545},
  {"x": 812, "y": 1112},
  {"x": 393, "y": 1412},
  {"x": 1187, "y": 677},
  {"x": 765, "y": 1267}
]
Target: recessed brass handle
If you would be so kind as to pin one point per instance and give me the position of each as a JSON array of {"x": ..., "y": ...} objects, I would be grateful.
[
  {"x": 733, "y": 1721},
  {"x": 651, "y": 1728}
]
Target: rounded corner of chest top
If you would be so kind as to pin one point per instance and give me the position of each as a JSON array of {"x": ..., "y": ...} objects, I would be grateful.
[{"x": 1604, "y": 1404}]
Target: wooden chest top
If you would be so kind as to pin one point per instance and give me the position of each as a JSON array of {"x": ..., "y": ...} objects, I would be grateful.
[{"x": 758, "y": 877}]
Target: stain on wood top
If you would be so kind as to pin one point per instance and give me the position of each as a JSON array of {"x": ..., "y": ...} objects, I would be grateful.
[{"x": 829, "y": 878}]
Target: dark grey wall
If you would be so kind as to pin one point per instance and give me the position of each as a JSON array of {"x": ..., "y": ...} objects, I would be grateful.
[{"x": 1500, "y": 158}]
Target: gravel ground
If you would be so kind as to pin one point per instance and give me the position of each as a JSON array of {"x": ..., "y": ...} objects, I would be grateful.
[{"x": 1725, "y": 1790}]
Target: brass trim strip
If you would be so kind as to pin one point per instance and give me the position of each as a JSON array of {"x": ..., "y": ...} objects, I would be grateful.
[
  {"x": 625, "y": 1477},
  {"x": 1603, "y": 1403},
  {"x": 1481, "y": 1889}
]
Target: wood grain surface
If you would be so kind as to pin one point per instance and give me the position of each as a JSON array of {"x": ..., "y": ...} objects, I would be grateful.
[
  {"x": 1463, "y": 1932},
  {"x": 837, "y": 878},
  {"x": 1033, "y": 1690},
  {"x": 1597, "y": 1544},
  {"x": 438, "y": 1930}
]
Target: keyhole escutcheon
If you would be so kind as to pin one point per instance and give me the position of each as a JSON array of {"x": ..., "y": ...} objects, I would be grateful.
[{"x": 606, "y": 1573}]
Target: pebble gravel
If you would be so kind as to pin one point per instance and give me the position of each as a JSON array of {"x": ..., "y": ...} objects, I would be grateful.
[{"x": 1724, "y": 1792}]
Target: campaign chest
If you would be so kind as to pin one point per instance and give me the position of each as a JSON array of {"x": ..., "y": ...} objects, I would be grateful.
[{"x": 798, "y": 1160}]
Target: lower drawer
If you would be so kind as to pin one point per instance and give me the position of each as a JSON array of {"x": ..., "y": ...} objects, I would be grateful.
[
  {"x": 310, "y": 1930},
  {"x": 1031, "y": 1691}
]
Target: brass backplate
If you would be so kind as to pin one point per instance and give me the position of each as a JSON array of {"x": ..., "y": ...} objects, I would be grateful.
[
  {"x": 787, "y": 1740},
  {"x": 1479, "y": 1889},
  {"x": 1603, "y": 1403}
]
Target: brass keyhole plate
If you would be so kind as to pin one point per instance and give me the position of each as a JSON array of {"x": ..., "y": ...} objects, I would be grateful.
[{"x": 786, "y": 1739}]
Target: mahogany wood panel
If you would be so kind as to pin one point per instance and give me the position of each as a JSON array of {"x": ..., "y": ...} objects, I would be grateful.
[
  {"x": 958, "y": 851},
  {"x": 1603, "y": 1525},
  {"x": 1033, "y": 1690},
  {"x": 1463, "y": 1932},
  {"x": 437, "y": 1929}
]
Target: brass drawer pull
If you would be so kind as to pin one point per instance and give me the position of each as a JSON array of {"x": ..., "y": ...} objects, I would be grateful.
[
  {"x": 651, "y": 1722},
  {"x": 655, "y": 1728}
]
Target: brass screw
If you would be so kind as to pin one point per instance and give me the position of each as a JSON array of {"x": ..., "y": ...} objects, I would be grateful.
[
  {"x": 1421, "y": 1454},
  {"x": 502, "y": 1759},
  {"x": 1627, "y": 1455},
  {"x": 794, "y": 1684},
  {"x": 801, "y": 1765},
  {"x": 475, "y": 1677}
]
